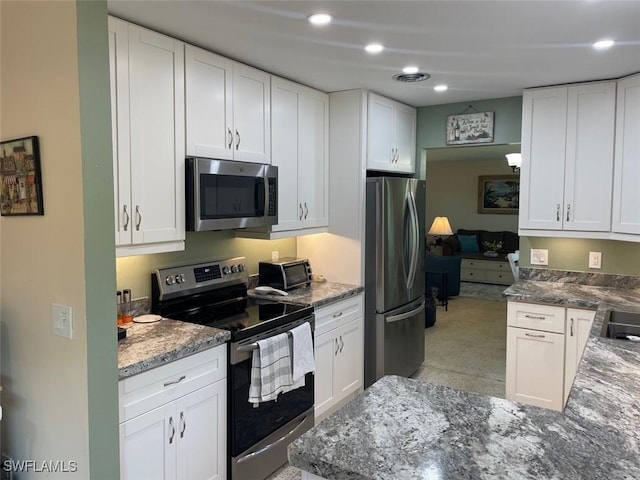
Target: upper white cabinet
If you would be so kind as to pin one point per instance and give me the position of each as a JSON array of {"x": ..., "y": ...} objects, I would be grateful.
[
  {"x": 227, "y": 108},
  {"x": 391, "y": 137},
  {"x": 626, "y": 194},
  {"x": 567, "y": 164},
  {"x": 147, "y": 101}
]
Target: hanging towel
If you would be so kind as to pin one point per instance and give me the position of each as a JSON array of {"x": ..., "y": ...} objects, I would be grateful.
[
  {"x": 270, "y": 369},
  {"x": 303, "y": 361}
]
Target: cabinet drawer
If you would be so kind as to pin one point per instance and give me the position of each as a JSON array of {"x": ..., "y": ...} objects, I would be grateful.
[
  {"x": 499, "y": 277},
  {"x": 472, "y": 274},
  {"x": 331, "y": 316},
  {"x": 536, "y": 317},
  {"x": 148, "y": 390}
]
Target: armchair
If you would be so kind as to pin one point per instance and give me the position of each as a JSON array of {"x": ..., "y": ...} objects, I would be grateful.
[{"x": 434, "y": 266}]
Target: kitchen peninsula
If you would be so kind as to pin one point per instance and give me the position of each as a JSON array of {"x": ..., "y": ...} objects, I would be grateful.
[{"x": 406, "y": 429}]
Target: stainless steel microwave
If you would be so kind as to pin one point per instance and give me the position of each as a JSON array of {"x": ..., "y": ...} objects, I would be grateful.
[{"x": 226, "y": 195}]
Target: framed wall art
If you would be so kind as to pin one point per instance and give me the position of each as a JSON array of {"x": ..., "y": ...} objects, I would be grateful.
[
  {"x": 499, "y": 194},
  {"x": 20, "y": 179},
  {"x": 470, "y": 128}
]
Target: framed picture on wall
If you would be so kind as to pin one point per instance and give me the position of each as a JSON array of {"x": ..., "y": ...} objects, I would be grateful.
[
  {"x": 499, "y": 194},
  {"x": 470, "y": 128},
  {"x": 20, "y": 179}
]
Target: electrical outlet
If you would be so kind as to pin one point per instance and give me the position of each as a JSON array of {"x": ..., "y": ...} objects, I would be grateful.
[
  {"x": 275, "y": 255},
  {"x": 595, "y": 259},
  {"x": 62, "y": 320},
  {"x": 539, "y": 256}
]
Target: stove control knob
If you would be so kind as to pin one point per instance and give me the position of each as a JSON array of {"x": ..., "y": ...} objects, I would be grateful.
[
  {"x": 179, "y": 278},
  {"x": 170, "y": 280},
  {"x": 225, "y": 270},
  {"x": 241, "y": 267},
  {"x": 234, "y": 269}
]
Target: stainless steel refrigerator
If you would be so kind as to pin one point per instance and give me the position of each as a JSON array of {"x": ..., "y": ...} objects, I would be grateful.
[{"x": 394, "y": 277}]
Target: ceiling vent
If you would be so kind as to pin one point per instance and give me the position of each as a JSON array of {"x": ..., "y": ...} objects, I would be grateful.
[{"x": 411, "y": 77}]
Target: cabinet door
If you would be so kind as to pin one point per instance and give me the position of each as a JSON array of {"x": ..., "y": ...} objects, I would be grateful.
[
  {"x": 251, "y": 114},
  {"x": 589, "y": 157},
  {"x": 285, "y": 100},
  {"x": 208, "y": 104},
  {"x": 578, "y": 330},
  {"x": 626, "y": 194},
  {"x": 543, "y": 152},
  {"x": 119, "y": 80},
  {"x": 535, "y": 368},
  {"x": 202, "y": 433},
  {"x": 156, "y": 82},
  {"x": 380, "y": 148},
  {"x": 313, "y": 164},
  {"x": 325, "y": 350},
  {"x": 349, "y": 364},
  {"x": 148, "y": 445},
  {"x": 405, "y": 138}
]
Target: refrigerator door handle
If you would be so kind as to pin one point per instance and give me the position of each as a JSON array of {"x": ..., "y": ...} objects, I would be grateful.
[
  {"x": 403, "y": 316},
  {"x": 415, "y": 240}
]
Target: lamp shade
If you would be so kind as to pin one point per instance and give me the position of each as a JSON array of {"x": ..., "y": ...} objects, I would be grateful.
[
  {"x": 514, "y": 159},
  {"x": 440, "y": 226}
]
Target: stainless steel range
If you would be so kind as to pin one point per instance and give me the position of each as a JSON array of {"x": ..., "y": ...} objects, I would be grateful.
[{"x": 215, "y": 294}]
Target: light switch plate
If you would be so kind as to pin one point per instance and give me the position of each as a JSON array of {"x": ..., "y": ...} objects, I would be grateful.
[
  {"x": 595, "y": 259},
  {"x": 539, "y": 256},
  {"x": 62, "y": 320}
]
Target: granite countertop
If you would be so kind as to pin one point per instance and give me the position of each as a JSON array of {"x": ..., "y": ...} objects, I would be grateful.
[
  {"x": 316, "y": 294},
  {"x": 406, "y": 429},
  {"x": 149, "y": 345}
]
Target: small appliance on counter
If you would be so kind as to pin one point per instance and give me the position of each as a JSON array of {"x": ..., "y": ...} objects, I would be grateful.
[{"x": 286, "y": 274}]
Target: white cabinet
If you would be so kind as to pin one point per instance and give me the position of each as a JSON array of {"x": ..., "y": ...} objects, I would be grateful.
[
  {"x": 567, "y": 164},
  {"x": 173, "y": 420},
  {"x": 391, "y": 136},
  {"x": 339, "y": 354},
  {"x": 147, "y": 102},
  {"x": 227, "y": 108},
  {"x": 544, "y": 347},
  {"x": 486, "y": 271},
  {"x": 626, "y": 194}
]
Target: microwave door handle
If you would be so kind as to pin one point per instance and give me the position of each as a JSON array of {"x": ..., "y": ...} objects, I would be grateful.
[{"x": 261, "y": 195}]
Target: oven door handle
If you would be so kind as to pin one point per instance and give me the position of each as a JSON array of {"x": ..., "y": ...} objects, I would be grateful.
[{"x": 282, "y": 439}]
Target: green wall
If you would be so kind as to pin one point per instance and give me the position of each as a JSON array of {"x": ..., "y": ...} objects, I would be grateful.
[{"x": 134, "y": 272}]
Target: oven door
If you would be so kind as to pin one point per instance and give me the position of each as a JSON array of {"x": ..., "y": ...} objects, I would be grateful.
[
  {"x": 223, "y": 195},
  {"x": 258, "y": 436}
]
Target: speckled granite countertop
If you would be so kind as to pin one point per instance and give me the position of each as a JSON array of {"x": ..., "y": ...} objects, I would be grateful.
[
  {"x": 406, "y": 429},
  {"x": 316, "y": 294},
  {"x": 149, "y": 345}
]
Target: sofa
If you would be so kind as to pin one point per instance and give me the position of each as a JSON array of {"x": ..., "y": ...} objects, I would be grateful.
[{"x": 475, "y": 248}]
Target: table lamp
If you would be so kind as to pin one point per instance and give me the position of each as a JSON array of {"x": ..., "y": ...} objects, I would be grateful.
[{"x": 439, "y": 228}]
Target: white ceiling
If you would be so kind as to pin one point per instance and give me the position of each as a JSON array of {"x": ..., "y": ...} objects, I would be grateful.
[{"x": 481, "y": 49}]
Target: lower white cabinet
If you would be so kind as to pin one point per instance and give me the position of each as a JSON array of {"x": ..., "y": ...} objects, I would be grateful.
[
  {"x": 173, "y": 427},
  {"x": 339, "y": 354},
  {"x": 544, "y": 347}
]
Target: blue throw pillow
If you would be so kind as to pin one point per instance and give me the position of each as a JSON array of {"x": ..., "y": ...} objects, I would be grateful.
[{"x": 468, "y": 243}]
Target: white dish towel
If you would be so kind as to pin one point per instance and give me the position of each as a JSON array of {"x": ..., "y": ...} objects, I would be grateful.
[
  {"x": 270, "y": 369},
  {"x": 303, "y": 361}
]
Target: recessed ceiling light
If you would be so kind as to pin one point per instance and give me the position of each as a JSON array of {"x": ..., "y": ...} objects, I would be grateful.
[
  {"x": 374, "y": 48},
  {"x": 320, "y": 18},
  {"x": 440, "y": 88},
  {"x": 603, "y": 44},
  {"x": 410, "y": 70}
]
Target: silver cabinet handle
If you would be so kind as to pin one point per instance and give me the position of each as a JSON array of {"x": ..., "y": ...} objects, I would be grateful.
[
  {"x": 336, "y": 315},
  {"x": 534, "y": 336},
  {"x": 238, "y": 139},
  {"x": 568, "y": 211},
  {"x": 173, "y": 382},
  {"x": 557, "y": 212},
  {"x": 341, "y": 344},
  {"x": 125, "y": 214},
  {"x": 230, "y": 137},
  {"x": 534, "y": 317},
  {"x": 138, "y": 218},
  {"x": 306, "y": 210},
  {"x": 571, "y": 329},
  {"x": 335, "y": 340},
  {"x": 301, "y": 211},
  {"x": 184, "y": 424},
  {"x": 397, "y": 155},
  {"x": 173, "y": 430}
]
